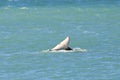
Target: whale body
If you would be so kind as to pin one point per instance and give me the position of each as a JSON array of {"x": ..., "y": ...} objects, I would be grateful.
[{"x": 63, "y": 45}]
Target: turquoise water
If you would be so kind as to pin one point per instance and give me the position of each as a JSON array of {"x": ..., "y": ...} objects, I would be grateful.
[{"x": 26, "y": 31}]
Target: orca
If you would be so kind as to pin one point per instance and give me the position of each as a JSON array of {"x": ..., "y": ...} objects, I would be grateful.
[{"x": 63, "y": 45}]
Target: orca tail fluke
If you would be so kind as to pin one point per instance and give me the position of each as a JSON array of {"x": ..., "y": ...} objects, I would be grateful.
[{"x": 63, "y": 45}]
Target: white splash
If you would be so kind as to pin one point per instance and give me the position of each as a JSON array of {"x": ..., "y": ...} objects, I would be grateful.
[{"x": 65, "y": 51}]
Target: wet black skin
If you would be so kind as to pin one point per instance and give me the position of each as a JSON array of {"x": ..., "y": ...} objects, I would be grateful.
[{"x": 68, "y": 48}]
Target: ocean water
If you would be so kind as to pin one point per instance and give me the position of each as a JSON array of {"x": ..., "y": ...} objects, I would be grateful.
[{"x": 26, "y": 30}]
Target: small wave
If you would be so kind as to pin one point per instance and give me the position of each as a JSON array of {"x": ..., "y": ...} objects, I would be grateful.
[{"x": 24, "y": 8}]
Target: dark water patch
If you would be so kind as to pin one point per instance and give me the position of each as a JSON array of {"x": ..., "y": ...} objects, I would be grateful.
[{"x": 58, "y": 2}]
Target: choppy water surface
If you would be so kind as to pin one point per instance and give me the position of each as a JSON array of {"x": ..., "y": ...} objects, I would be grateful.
[{"x": 26, "y": 31}]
